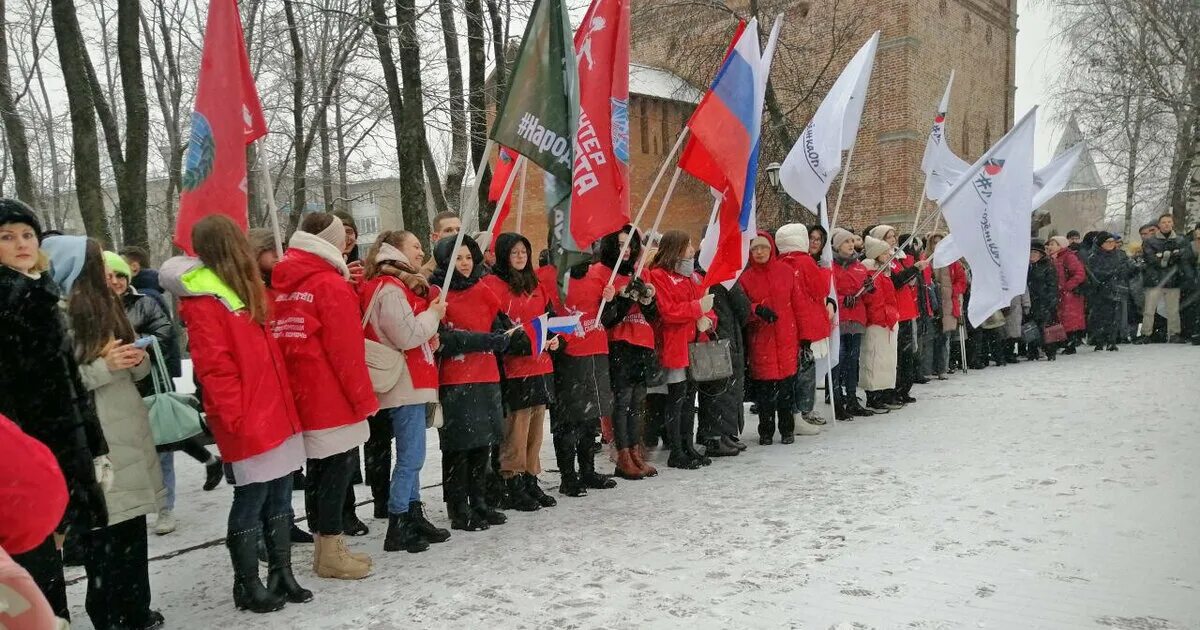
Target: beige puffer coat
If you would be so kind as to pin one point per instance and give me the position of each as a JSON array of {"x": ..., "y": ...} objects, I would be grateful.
[{"x": 138, "y": 485}]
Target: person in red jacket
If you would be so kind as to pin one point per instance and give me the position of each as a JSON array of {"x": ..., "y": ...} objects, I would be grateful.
[
  {"x": 474, "y": 331},
  {"x": 816, "y": 312},
  {"x": 1072, "y": 306},
  {"x": 316, "y": 324},
  {"x": 880, "y": 342},
  {"x": 684, "y": 313},
  {"x": 630, "y": 349},
  {"x": 905, "y": 272},
  {"x": 581, "y": 375},
  {"x": 528, "y": 385},
  {"x": 248, "y": 403},
  {"x": 773, "y": 345},
  {"x": 850, "y": 280}
]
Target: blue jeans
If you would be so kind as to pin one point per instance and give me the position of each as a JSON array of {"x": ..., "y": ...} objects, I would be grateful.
[
  {"x": 845, "y": 374},
  {"x": 408, "y": 426},
  {"x": 255, "y": 503},
  {"x": 166, "y": 461}
]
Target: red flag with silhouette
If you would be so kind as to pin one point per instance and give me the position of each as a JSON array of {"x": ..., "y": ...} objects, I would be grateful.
[{"x": 226, "y": 118}]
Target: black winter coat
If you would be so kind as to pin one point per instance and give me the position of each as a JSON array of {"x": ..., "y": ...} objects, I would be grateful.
[
  {"x": 721, "y": 411},
  {"x": 1110, "y": 273},
  {"x": 1168, "y": 262},
  {"x": 1043, "y": 292},
  {"x": 40, "y": 388},
  {"x": 148, "y": 318}
]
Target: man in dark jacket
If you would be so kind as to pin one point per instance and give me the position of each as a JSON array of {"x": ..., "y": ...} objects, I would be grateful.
[
  {"x": 1167, "y": 268},
  {"x": 1043, "y": 297}
]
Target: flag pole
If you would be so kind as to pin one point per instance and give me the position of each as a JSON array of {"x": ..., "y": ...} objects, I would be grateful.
[
  {"x": 521, "y": 202},
  {"x": 473, "y": 204},
  {"x": 842, "y": 187},
  {"x": 508, "y": 184},
  {"x": 612, "y": 277},
  {"x": 272, "y": 209},
  {"x": 662, "y": 209}
]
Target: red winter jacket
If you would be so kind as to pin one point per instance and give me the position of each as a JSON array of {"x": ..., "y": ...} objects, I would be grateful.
[
  {"x": 848, "y": 280},
  {"x": 583, "y": 296},
  {"x": 906, "y": 296},
  {"x": 772, "y": 348},
  {"x": 1072, "y": 307},
  {"x": 318, "y": 324},
  {"x": 678, "y": 299},
  {"x": 882, "y": 308},
  {"x": 814, "y": 286},
  {"x": 546, "y": 278},
  {"x": 33, "y": 495},
  {"x": 473, "y": 309},
  {"x": 522, "y": 308},
  {"x": 634, "y": 329}
]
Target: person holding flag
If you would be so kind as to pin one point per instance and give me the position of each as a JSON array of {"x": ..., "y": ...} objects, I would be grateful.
[
  {"x": 528, "y": 385},
  {"x": 816, "y": 316}
]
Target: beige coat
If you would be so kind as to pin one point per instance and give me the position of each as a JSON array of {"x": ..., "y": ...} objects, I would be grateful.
[{"x": 138, "y": 485}]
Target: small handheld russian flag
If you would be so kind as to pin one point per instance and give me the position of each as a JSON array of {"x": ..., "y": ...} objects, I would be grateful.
[
  {"x": 536, "y": 330},
  {"x": 567, "y": 325}
]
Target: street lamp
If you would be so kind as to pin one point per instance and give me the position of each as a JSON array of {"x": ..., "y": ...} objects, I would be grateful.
[{"x": 773, "y": 175}]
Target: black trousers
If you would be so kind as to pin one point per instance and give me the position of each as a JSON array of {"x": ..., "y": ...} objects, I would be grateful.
[
  {"x": 774, "y": 399},
  {"x": 677, "y": 398},
  {"x": 464, "y": 474},
  {"x": 627, "y": 412},
  {"x": 908, "y": 360},
  {"x": 325, "y": 492},
  {"x": 191, "y": 446},
  {"x": 377, "y": 457},
  {"x": 45, "y": 565},
  {"x": 117, "y": 563}
]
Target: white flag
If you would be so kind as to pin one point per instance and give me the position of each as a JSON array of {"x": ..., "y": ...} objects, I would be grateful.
[
  {"x": 827, "y": 363},
  {"x": 1053, "y": 177},
  {"x": 816, "y": 158},
  {"x": 941, "y": 166},
  {"x": 988, "y": 211}
]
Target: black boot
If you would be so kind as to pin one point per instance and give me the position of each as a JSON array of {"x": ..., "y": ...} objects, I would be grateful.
[
  {"x": 489, "y": 514},
  {"x": 464, "y": 518},
  {"x": 248, "y": 590},
  {"x": 280, "y": 579},
  {"x": 571, "y": 486},
  {"x": 429, "y": 531},
  {"x": 687, "y": 434},
  {"x": 299, "y": 536},
  {"x": 535, "y": 491},
  {"x": 587, "y": 467},
  {"x": 518, "y": 497},
  {"x": 351, "y": 524},
  {"x": 855, "y": 408},
  {"x": 402, "y": 534},
  {"x": 213, "y": 472}
]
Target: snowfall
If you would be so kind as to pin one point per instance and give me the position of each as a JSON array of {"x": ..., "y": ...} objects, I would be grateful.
[{"x": 1046, "y": 495}]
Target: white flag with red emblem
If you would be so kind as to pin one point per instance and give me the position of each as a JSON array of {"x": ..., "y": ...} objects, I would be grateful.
[{"x": 942, "y": 168}]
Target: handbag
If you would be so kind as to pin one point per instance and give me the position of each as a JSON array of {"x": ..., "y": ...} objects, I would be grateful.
[
  {"x": 710, "y": 360},
  {"x": 1054, "y": 333},
  {"x": 1030, "y": 332},
  {"x": 173, "y": 416},
  {"x": 384, "y": 364}
]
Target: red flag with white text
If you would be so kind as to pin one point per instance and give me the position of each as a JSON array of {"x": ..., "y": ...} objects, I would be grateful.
[
  {"x": 505, "y": 162},
  {"x": 226, "y": 118}
]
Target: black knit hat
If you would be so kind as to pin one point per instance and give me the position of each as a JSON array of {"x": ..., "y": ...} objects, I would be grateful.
[
  {"x": 13, "y": 211},
  {"x": 1073, "y": 234},
  {"x": 1038, "y": 245}
]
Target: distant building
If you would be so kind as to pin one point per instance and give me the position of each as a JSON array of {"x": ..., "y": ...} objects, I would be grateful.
[{"x": 1083, "y": 203}]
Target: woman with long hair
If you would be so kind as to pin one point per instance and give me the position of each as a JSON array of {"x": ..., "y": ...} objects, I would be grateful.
[
  {"x": 249, "y": 404},
  {"x": 528, "y": 385},
  {"x": 315, "y": 323},
  {"x": 684, "y": 312},
  {"x": 116, "y": 556},
  {"x": 403, "y": 314}
]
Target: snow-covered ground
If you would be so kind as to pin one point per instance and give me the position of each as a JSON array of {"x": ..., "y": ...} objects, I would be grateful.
[{"x": 1051, "y": 495}]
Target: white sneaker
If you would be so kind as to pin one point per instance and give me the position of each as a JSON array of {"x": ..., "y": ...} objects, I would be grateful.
[
  {"x": 165, "y": 524},
  {"x": 804, "y": 428},
  {"x": 813, "y": 417}
]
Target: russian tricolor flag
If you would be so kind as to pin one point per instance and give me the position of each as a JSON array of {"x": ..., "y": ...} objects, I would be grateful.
[
  {"x": 723, "y": 151},
  {"x": 536, "y": 330}
]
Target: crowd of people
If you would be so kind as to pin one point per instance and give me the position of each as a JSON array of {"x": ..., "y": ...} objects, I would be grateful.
[{"x": 300, "y": 361}]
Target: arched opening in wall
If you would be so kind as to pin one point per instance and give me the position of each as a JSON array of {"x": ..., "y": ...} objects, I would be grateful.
[
  {"x": 665, "y": 125},
  {"x": 643, "y": 126},
  {"x": 987, "y": 135},
  {"x": 802, "y": 8},
  {"x": 987, "y": 34},
  {"x": 967, "y": 22},
  {"x": 966, "y": 140},
  {"x": 943, "y": 6}
]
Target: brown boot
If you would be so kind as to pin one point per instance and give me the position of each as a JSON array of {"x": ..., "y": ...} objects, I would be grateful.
[
  {"x": 333, "y": 560},
  {"x": 626, "y": 468},
  {"x": 638, "y": 455},
  {"x": 361, "y": 557}
]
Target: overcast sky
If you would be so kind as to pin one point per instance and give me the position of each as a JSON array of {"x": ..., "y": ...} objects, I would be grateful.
[{"x": 1037, "y": 67}]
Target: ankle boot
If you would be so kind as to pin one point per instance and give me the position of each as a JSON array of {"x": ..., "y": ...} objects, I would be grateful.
[
  {"x": 300, "y": 537},
  {"x": 626, "y": 468},
  {"x": 402, "y": 534},
  {"x": 428, "y": 531},
  {"x": 638, "y": 454},
  {"x": 680, "y": 459},
  {"x": 535, "y": 491},
  {"x": 464, "y": 518},
  {"x": 248, "y": 590},
  {"x": 587, "y": 467},
  {"x": 486, "y": 512},
  {"x": 518, "y": 497},
  {"x": 334, "y": 560},
  {"x": 280, "y": 579},
  {"x": 571, "y": 486}
]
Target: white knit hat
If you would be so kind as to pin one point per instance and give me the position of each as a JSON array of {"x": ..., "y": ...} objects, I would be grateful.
[
  {"x": 839, "y": 236},
  {"x": 792, "y": 237},
  {"x": 334, "y": 233},
  {"x": 874, "y": 248},
  {"x": 881, "y": 231}
]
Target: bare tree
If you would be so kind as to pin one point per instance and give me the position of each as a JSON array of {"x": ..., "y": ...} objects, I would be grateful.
[
  {"x": 14, "y": 126},
  {"x": 457, "y": 165}
]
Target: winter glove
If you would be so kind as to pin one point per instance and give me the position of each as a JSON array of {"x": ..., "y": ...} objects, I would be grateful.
[
  {"x": 706, "y": 303},
  {"x": 629, "y": 292},
  {"x": 703, "y": 324},
  {"x": 498, "y": 342},
  {"x": 645, "y": 292},
  {"x": 766, "y": 314},
  {"x": 869, "y": 284},
  {"x": 851, "y": 300},
  {"x": 104, "y": 472}
]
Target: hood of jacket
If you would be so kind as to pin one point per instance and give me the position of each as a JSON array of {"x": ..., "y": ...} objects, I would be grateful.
[
  {"x": 443, "y": 255},
  {"x": 185, "y": 276},
  {"x": 307, "y": 256},
  {"x": 610, "y": 250},
  {"x": 66, "y": 259},
  {"x": 504, "y": 246},
  {"x": 792, "y": 237},
  {"x": 774, "y": 250}
]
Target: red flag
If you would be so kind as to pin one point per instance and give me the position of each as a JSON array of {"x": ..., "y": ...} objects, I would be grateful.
[
  {"x": 600, "y": 182},
  {"x": 500, "y": 174},
  {"x": 695, "y": 159},
  {"x": 227, "y": 116}
]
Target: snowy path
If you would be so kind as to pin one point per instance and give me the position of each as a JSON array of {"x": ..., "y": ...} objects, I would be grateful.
[{"x": 1052, "y": 495}]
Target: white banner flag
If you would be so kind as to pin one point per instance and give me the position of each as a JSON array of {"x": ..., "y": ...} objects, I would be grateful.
[
  {"x": 816, "y": 158},
  {"x": 941, "y": 166},
  {"x": 1053, "y": 177},
  {"x": 988, "y": 211}
]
